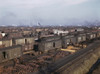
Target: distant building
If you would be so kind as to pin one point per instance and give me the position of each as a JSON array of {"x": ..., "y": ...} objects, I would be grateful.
[
  {"x": 99, "y": 28},
  {"x": 58, "y": 32},
  {"x": 79, "y": 29}
]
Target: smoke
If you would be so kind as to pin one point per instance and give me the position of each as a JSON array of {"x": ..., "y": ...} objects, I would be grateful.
[{"x": 47, "y": 12}]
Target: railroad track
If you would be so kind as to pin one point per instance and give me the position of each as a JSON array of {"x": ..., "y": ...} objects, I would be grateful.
[{"x": 55, "y": 66}]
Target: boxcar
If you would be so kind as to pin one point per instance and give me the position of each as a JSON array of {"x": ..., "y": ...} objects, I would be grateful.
[
  {"x": 19, "y": 41},
  {"x": 81, "y": 38},
  {"x": 98, "y": 34},
  {"x": 9, "y": 53},
  {"x": 95, "y": 35},
  {"x": 27, "y": 47},
  {"x": 23, "y": 40},
  {"x": 49, "y": 43},
  {"x": 29, "y": 40},
  {"x": 90, "y": 36},
  {"x": 6, "y": 42},
  {"x": 67, "y": 40}
]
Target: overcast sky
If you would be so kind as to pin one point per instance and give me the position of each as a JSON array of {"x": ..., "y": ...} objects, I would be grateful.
[{"x": 48, "y": 12}]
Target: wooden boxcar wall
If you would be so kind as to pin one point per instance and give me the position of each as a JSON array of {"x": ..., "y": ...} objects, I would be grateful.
[
  {"x": 9, "y": 53},
  {"x": 6, "y": 43},
  {"x": 50, "y": 44}
]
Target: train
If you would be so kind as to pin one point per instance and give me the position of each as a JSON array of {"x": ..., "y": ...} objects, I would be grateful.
[
  {"x": 55, "y": 42},
  {"x": 46, "y": 44}
]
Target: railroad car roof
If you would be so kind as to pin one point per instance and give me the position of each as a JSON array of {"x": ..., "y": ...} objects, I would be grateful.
[
  {"x": 50, "y": 37},
  {"x": 23, "y": 37},
  {"x": 8, "y": 48},
  {"x": 5, "y": 39}
]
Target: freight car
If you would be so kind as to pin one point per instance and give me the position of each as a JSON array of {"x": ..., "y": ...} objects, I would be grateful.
[
  {"x": 91, "y": 36},
  {"x": 6, "y": 42},
  {"x": 18, "y": 41},
  {"x": 26, "y": 42},
  {"x": 73, "y": 39},
  {"x": 80, "y": 38},
  {"x": 68, "y": 40},
  {"x": 98, "y": 35},
  {"x": 9, "y": 53},
  {"x": 46, "y": 44}
]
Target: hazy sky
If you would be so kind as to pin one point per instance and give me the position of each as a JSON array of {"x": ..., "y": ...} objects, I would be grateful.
[{"x": 48, "y": 12}]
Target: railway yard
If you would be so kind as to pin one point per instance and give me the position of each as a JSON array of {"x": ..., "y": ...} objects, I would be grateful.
[
  {"x": 32, "y": 64},
  {"x": 50, "y": 37},
  {"x": 42, "y": 50}
]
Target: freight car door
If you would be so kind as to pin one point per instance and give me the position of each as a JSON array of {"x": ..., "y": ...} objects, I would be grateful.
[{"x": 36, "y": 48}]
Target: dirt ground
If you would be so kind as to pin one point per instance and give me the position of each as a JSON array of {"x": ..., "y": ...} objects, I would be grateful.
[{"x": 34, "y": 64}]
